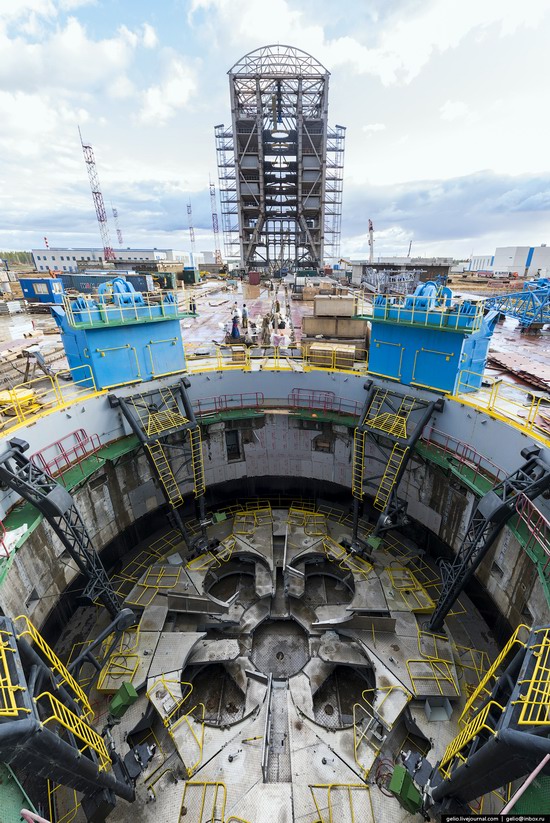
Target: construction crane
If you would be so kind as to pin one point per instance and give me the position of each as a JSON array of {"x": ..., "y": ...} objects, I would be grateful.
[
  {"x": 191, "y": 232},
  {"x": 117, "y": 226},
  {"x": 530, "y": 306},
  {"x": 97, "y": 197},
  {"x": 371, "y": 241},
  {"x": 215, "y": 225}
]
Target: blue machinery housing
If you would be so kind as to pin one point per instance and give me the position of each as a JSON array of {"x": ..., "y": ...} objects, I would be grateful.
[
  {"x": 95, "y": 333},
  {"x": 427, "y": 341}
]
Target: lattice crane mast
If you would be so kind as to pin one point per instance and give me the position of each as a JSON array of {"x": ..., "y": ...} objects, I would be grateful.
[
  {"x": 191, "y": 231},
  {"x": 215, "y": 225},
  {"x": 117, "y": 226},
  {"x": 97, "y": 197}
]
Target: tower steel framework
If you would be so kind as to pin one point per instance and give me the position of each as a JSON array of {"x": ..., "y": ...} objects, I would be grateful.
[{"x": 280, "y": 165}]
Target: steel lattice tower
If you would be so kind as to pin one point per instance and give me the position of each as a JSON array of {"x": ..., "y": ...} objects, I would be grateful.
[
  {"x": 99, "y": 203},
  {"x": 280, "y": 166}
]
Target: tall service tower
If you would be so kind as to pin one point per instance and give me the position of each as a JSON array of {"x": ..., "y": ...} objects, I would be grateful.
[{"x": 280, "y": 165}]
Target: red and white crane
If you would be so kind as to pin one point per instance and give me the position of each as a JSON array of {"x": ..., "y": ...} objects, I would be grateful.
[{"x": 97, "y": 197}]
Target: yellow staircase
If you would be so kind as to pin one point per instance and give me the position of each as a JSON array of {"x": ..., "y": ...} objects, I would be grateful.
[
  {"x": 197, "y": 462},
  {"x": 389, "y": 477},
  {"x": 390, "y": 422},
  {"x": 165, "y": 474}
]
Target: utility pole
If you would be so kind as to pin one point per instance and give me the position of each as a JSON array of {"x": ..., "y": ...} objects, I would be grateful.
[
  {"x": 215, "y": 225},
  {"x": 191, "y": 232}
]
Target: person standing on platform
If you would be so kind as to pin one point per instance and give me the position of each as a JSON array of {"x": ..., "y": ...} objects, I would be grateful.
[
  {"x": 235, "y": 333},
  {"x": 245, "y": 317}
]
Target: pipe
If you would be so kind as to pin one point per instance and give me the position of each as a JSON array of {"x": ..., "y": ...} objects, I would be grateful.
[
  {"x": 516, "y": 796},
  {"x": 32, "y": 817}
]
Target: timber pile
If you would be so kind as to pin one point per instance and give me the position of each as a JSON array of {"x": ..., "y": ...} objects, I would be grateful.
[{"x": 533, "y": 372}]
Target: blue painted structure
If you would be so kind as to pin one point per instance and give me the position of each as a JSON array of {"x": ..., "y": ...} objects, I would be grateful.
[
  {"x": 42, "y": 289},
  {"x": 531, "y": 306},
  {"x": 122, "y": 335},
  {"x": 427, "y": 340}
]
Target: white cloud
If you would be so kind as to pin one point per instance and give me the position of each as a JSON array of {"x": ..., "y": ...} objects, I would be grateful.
[
  {"x": 372, "y": 127},
  {"x": 161, "y": 101},
  {"x": 150, "y": 39},
  {"x": 453, "y": 110}
]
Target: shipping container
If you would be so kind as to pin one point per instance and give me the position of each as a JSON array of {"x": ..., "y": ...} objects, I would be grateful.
[{"x": 42, "y": 289}]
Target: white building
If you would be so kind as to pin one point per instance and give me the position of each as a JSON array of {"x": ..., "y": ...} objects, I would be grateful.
[
  {"x": 63, "y": 259},
  {"x": 483, "y": 262},
  {"x": 525, "y": 261}
]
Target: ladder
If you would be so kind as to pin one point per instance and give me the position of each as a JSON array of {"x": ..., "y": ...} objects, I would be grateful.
[
  {"x": 197, "y": 462},
  {"x": 358, "y": 465},
  {"x": 389, "y": 477},
  {"x": 165, "y": 473}
]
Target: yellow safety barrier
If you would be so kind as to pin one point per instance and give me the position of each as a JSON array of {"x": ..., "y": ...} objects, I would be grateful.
[
  {"x": 211, "y": 560},
  {"x": 27, "y": 402},
  {"x": 203, "y": 802},
  {"x": 121, "y": 666},
  {"x": 490, "y": 673},
  {"x": 535, "y": 702},
  {"x": 313, "y": 523},
  {"x": 347, "y": 561},
  {"x": 413, "y": 594},
  {"x": 178, "y": 714},
  {"x": 59, "y": 713},
  {"x": 432, "y": 670},
  {"x": 470, "y": 730},
  {"x": 350, "y": 801},
  {"x": 56, "y": 803},
  {"x": 435, "y": 644},
  {"x": 8, "y": 690},
  {"x": 55, "y": 663}
]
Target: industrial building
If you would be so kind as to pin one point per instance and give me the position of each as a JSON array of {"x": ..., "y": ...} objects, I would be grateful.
[
  {"x": 246, "y": 582},
  {"x": 66, "y": 259},
  {"x": 521, "y": 261}
]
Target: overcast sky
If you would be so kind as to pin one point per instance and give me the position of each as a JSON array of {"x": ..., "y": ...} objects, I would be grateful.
[{"x": 445, "y": 104}]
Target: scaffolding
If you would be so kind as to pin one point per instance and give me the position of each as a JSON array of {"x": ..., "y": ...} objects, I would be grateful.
[{"x": 280, "y": 165}]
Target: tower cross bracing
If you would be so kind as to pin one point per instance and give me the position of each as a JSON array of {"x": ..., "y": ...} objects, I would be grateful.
[{"x": 280, "y": 165}]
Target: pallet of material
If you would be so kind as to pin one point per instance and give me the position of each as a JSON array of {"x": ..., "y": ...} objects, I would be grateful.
[
  {"x": 533, "y": 372},
  {"x": 334, "y": 306},
  {"x": 340, "y": 355}
]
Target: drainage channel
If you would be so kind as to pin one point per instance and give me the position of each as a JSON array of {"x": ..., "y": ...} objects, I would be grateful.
[{"x": 278, "y": 749}]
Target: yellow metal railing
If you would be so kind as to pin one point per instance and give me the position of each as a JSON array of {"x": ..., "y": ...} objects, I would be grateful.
[
  {"x": 99, "y": 310},
  {"x": 179, "y": 713},
  {"x": 314, "y": 524},
  {"x": 347, "y": 561},
  {"x": 339, "y": 802},
  {"x": 55, "y": 663},
  {"x": 431, "y": 670},
  {"x": 367, "y": 710},
  {"x": 27, "y": 402},
  {"x": 57, "y": 801},
  {"x": 535, "y": 702},
  {"x": 74, "y": 724},
  {"x": 421, "y": 311},
  {"x": 490, "y": 673},
  {"x": 203, "y": 802},
  {"x": 413, "y": 594},
  {"x": 8, "y": 690},
  {"x": 470, "y": 730},
  {"x": 211, "y": 560}
]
